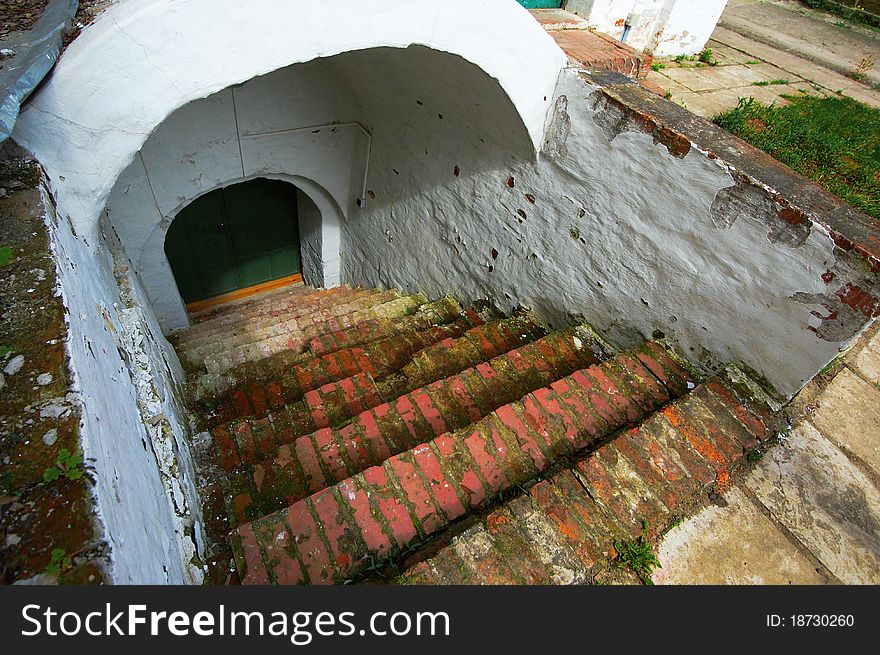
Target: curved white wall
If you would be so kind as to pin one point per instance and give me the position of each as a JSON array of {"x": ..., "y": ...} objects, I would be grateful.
[{"x": 144, "y": 59}]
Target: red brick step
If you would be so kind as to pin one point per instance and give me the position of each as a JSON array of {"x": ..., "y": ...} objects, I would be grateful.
[
  {"x": 337, "y": 533},
  {"x": 336, "y": 402},
  {"x": 315, "y": 461}
]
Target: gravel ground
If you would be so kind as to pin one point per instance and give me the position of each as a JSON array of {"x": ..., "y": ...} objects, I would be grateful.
[{"x": 19, "y": 15}]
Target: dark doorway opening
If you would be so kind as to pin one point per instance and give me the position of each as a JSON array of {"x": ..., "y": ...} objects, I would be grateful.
[{"x": 235, "y": 238}]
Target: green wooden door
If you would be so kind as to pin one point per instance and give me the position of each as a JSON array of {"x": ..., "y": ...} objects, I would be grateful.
[
  {"x": 541, "y": 4},
  {"x": 233, "y": 238}
]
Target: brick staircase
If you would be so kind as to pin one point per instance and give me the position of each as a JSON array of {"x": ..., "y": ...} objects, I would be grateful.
[{"x": 345, "y": 429}]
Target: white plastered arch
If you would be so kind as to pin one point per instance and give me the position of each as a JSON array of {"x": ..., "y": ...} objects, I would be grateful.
[
  {"x": 323, "y": 269},
  {"x": 144, "y": 59}
]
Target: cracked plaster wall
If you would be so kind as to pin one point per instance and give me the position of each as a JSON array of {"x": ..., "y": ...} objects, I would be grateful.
[
  {"x": 128, "y": 382},
  {"x": 613, "y": 226}
]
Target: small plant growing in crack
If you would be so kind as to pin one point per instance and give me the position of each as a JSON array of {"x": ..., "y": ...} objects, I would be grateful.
[
  {"x": 67, "y": 464},
  {"x": 866, "y": 64},
  {"x": 706, "y": 56},
  {"x": 638, "y": 556},
  {"x": 59, "y": 562}
]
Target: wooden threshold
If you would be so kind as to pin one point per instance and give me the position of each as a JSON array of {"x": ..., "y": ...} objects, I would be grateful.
[{"x": 201, "y": 305}]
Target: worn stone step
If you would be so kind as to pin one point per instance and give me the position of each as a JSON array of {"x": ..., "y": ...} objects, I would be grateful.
[
  {"x": 383, "y": 511},
  {"x": 378, "y": 359},
  {"x": 342, "y": 318},
  {"x": 564, "y": 529},
  {"x": 231, "y": 308},
  {"x": 285, "y": 323},
  {"x": 334, "y": 403},
  {"x": 216, "y": 389},
  {"x": 315, "y": 461},
  {"x": 236, "y": 319}
]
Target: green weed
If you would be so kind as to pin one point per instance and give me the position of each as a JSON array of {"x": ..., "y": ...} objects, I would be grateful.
[
  {"x": 67, "y": 464},
  {"x": 638, "y": 555}
]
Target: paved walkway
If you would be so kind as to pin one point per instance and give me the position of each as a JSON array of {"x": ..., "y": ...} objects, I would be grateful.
[
  {"x": 769, "y": 48},
  {"x": 809, "y": 511}
]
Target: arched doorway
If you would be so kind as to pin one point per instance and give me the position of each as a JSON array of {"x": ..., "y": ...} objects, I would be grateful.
[{"x": 235, "y": 238}]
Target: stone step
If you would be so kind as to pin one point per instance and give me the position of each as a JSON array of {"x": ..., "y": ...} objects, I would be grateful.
[
  {"x": 281, "y": 295},
  {"x": 564, "y": 529},
  {"x": 384, "y": 511},
  {"x": 315, "y": 461},
  {"x": 217, "y": 390},
  {"x": 333, "y": 320},
  {"x": 256, "y": 399},
  {"x": 334, "y": 403},
  {"x": 201, "y": 335},
  {"x": 285, "y": 323},
  {"x": 237, "y": 319}
]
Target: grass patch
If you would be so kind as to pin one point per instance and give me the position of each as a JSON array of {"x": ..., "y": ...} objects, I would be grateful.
[
  {"x": 657, "y": 66},
  {"x": 638, "y": 556},
  {"x": 779, "y": 80},
  {"x": 5, "y": 255},
  {"x": 833, "y": 141},
  {"x": 753, "y": 62}
]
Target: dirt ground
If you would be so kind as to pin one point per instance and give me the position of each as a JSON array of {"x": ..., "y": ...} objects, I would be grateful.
[
  {"x": 46, "y": 523},
  {"x": 19, "y": 15}
]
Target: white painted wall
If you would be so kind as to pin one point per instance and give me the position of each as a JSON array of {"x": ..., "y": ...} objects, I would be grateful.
[
  {"x": 127, "y": 378},
  {"x": 620, "y": 232},
  {"x": 661, "y": 27},
  {"x": 290, "y": 125}
]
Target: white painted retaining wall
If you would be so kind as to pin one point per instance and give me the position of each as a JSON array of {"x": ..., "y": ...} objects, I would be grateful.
[{"x": 127, "y": 377}]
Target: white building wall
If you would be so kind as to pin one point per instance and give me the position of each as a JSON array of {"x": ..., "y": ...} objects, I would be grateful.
[{"x": 663, "y": 28}]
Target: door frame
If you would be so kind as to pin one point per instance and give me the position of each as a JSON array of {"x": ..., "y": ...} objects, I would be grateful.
[
  {"x": 235, "y": 211},
  {"x": 324, "y": 270}
]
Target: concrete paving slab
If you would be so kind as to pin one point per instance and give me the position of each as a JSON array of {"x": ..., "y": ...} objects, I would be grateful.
[
  {"x": 786, "y": 26},
  {"x": 725, "y": 55},
  {"x": 793, "y": 65},
  {"x": 736, "y": 544},
  {"x": 693, "y": 79},
  {"x": 701, "y": 104},
  {"x": 867, "y": 361},
  {"x": 824, "y": 500},
  {"x": 667, "y": 83},
  {"x": 848, "y": 413}
]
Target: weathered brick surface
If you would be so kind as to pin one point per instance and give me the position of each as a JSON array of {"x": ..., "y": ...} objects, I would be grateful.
[
  {"x": 599, "y": 52},
  {"x": 417, "y": 493},
  {"x": 647, "y": 474},
  {"x": 377, "y": 359},
  {"x": 265, "y": 312},
  {"x": 336, "y": 402},
  {"x": 413, "y": 419},
  {"x": 294, "y": 334},
  {"x": 426, "y": 317}
]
